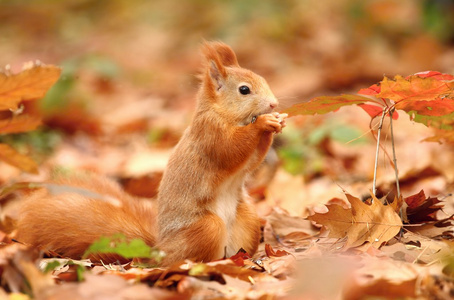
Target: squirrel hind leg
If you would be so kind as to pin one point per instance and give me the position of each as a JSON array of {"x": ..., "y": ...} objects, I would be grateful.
[
  {"x": 245, "y": 230},
  {"x": 204, "y": 240}
]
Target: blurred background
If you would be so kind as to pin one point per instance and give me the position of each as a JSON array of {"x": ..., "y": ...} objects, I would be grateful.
[
  {"x": 129, "y": 73},
  {"x": 302, "y": 47}
]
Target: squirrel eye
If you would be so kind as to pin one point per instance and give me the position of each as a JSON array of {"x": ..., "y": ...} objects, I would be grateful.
[{"x": 244, "y": 90}]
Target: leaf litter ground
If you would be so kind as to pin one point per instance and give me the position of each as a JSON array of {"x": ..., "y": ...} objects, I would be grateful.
[{"x": 304, "y": 259}]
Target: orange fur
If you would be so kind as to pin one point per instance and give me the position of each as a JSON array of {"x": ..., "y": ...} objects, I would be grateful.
[
  {"x": 203, "y": 212},
  {"x": 82, "y": 209},
  {"x": 206, "y": 172}
]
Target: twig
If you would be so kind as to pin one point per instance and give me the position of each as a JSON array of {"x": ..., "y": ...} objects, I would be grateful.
[
  {"x": 394, "y": 152},
  {"x": 374, "y": 189}
]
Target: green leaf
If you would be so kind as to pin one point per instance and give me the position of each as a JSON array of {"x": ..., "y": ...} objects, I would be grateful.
[
  {"x": 118, "y": 244},
  {"x": 51, "y": 266},
  {"x": 445, "y": 122},
  {"x": 325, "y": 104}
]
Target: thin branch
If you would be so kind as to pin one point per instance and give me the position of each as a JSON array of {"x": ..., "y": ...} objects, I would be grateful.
[
  {"x": 394, "y": 152},
  {"x": 374, "y": 189}
]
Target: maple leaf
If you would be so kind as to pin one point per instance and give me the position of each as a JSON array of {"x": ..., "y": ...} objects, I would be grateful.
[
  {"x": 32, "y": 83},
  {"x": 375, "y": 223},
  {"x": 324, "y": 104},
  {"x": 428, "y": 98},
  {"x": 20, "y": 123},
  {"x": 414, "y": 88},
  {"x": 14, "y": 158}
]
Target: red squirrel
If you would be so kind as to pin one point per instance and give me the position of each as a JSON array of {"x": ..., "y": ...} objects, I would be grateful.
[{"x": 202, "y": 208}]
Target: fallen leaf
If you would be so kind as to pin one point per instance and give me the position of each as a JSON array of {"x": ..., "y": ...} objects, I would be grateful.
[
  {"x": 441, "y": 229},
  {"x": 238, "y": 259},
  {"x": 422, "y": 209},
  {"x": 382, "y": 288},
  {"x": 375, "y": 223},
  {"x": 271, "y": 252}
]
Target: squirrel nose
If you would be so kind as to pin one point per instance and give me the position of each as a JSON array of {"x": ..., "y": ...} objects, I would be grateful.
[{"x": 273, "y": 105}]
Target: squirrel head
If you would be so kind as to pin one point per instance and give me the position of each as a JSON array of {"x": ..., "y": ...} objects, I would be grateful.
[{"x": 235, "y": 93}]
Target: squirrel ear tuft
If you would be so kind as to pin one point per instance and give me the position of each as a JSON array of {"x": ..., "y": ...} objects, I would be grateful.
[
  {"x": 226, "y": 54},
  {"x": 220, "y": 53},
  {"x": 218, "y": 56}
]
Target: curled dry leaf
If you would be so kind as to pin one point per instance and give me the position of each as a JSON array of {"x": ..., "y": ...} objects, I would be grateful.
[
  {"x": 271, "y": 252},
  {"x": 374, "y": 224},
  {"x": 421, "y": 208}
]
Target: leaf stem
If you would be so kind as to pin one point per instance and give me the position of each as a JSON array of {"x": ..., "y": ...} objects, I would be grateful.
[
  {"x": 374, "y": 189},
  {"x": 394, "y": 152}
]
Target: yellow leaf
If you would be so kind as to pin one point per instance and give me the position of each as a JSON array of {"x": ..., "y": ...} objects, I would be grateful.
[
  {"x": 14, "y": 158},
  {"x": 375, "y": 223},
  {"x": 32, "y": 83}
]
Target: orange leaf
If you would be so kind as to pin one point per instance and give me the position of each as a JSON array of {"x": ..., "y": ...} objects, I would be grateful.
[
  {"x": 32, "y": 83},
  {"x": 325, "y": 104},
  {"x": 12, "y": 157},
  {"x": 270, "y": 251},
  {"x": 361, "y": 223},
  {"x": 375, "y": 111},
  {"x": 414, "y": 88},
  {"x": 20, "y": 123},
  {"x": 239, "y": 257},
  {"x": 435, "y": 107}
]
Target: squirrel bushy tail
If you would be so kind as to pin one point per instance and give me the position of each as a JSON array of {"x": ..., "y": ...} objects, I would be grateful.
[{"x": 69, "y": 214}]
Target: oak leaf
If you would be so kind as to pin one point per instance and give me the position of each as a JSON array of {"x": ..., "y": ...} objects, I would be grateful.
[
  {"x": 374, "y": 224},
  {"x": 30, "y": 84}
]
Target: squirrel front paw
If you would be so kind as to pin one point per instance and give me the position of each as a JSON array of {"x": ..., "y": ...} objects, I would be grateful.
[{"x": 273, "y": 122}]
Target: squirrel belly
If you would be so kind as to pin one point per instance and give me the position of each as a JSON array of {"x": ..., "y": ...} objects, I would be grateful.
[{"x": 203, "y": 211}]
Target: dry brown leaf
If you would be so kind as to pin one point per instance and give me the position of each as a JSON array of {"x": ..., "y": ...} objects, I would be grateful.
[
  {"x": 382, "y": 288},
  {"x": 361, "y": 223},
  {"x": 271, "y": 252},
  {"x": 281, "y": 228},
  {"x": 14, "y": 158},
  {"x": 422, "y": 209},
  {"x": 32, "y": 83}
]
